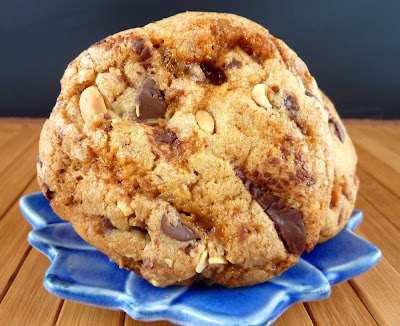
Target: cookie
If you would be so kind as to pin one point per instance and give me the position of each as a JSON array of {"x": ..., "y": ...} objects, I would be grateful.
[
  {"x": 345, "y": 181},
  {"x": 188, "y": 150}
]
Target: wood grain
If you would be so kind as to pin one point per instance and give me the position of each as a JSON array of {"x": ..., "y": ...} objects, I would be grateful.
[
  {"x": 370, "y": 299},
  {"x": 384, "y": 136},
  {"x": 73, "y": 314},
  {"x": 379, "y": 291},
  {"x": 17, "y": 145},
  {"x": 17, "y": 175},
  {"x": 379, "y": 168},
  {"x": 375, "y": 148},
  {"x": 27, "y": 302},
  {"x": 295, "y": 315},
  {"x": 6, "y": 133},
  {"x": 379, "y": 231},
  {"x": 130, "y": 322},
  {"x": 14, "y": 232},
  {"x": 387, "y": 203},
  {"x": 329, "y": 312}
]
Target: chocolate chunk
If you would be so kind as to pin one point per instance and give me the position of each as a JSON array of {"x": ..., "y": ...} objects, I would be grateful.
[
  {"x": 338, "y": 129},
  {"x": 188, "y": 249},
  {"x": 266, "y": 200},
  {"x": 108, "y": 127},
  {"x": 46, "y": 191},
  {"x": 146, "y": 54},
  {"x": 288, "y": 221},
  {"x": 141, "y": 49},
  {"x": 290, "y": 226},
  {"x": 179, "y": 232},
  {"x": 241, "y": 175},
  {"x": 234, "y": 64},
  {"x": 166, "y": 136},
  {"x": 214, "y": 75},
  {"x": 107, "y": 225},
  {"x": 39, "y": 161},
  {"x": 309, "y": 94},
  {"x": 151, "y": 101},
  {"x": 138, "y": 45},
  {"x": 291, "y": 103}
]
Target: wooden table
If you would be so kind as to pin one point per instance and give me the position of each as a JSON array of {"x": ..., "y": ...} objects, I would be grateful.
[{"x": 370, "y": 299}]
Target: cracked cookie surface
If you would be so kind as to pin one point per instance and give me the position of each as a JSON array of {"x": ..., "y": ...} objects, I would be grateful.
[{"x": 189, "y": 150}]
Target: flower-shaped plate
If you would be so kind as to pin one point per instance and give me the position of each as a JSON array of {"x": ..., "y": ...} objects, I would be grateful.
[{"x": 81, "y": 273}]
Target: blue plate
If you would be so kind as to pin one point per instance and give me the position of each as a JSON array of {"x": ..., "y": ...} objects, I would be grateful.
[{"x": 81, "y": 273}]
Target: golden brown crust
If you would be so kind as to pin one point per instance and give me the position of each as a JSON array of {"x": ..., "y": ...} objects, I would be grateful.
[{"x": 345, "y": 182}]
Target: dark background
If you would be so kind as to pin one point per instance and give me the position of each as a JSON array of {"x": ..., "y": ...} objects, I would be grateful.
[{"x": 351, "y": 47}]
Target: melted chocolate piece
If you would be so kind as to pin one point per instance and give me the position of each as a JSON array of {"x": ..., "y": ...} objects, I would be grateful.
[
  {"x": 151, "y": 101},
  {"x": 290, "y": 226},
  {"x": 234, "y": 64},
  {"x": 266, "y": 200},
  {"x": 214, "y": 75},
  {"x": 291, "y": 104},
  {"x": 288, "y": 221},
  {"x": 107, "y": 225},
  {"x": 179, "y": 232},
  {"x": 339, "y": 132}
]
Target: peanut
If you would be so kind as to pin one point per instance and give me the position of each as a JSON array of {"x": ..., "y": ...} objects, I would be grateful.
[
  {"x": 260, "y": 97},
  {"x": 92, "y": 106},
  {"x": 205, "y": 121}
]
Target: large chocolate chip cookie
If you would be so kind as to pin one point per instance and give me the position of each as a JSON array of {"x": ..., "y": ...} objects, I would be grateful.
[{"x": 189, "y": 150}]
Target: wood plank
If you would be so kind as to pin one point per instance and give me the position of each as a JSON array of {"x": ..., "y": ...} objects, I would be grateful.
[
  {"x": 7, "y": 132},
  {"x": 14, "y": 232},
  {"x": 375, "y": 149},
  {"x": 27, "y": 302},
  {"x": 379, "y": 168},
  {"x": 395, "y": 132},
  {"x": 14, "y": 121},
  {"x": 130, "y": 322},
  {"x": 295, "y": 315},
  {"x": 380, "y": 197},
  {"x": 385, "y": 137},
  {"x": 343, "y": 307},
  {"x": 17, "y": 176},
  {"x": 379, "y": 231},
  {"x": 73, "y": 314},
  {"x": 17, "y": 145},
  {"x": 379, "y": 289}
]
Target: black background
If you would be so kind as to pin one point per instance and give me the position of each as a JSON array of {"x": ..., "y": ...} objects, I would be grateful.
[{"x": 351, "y": 47}]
